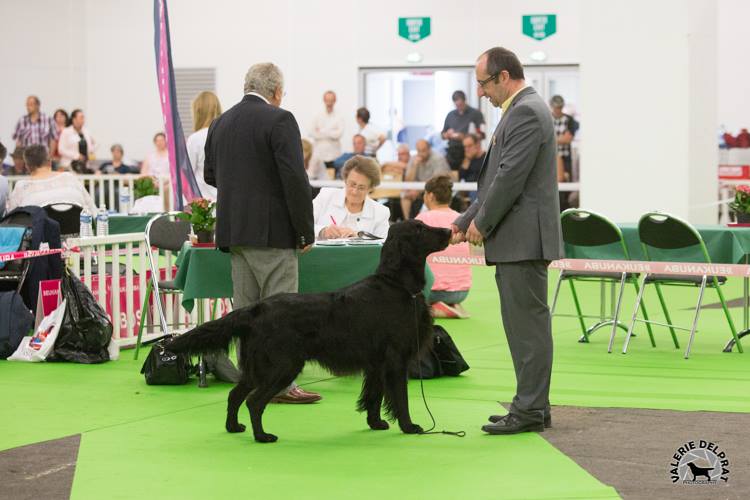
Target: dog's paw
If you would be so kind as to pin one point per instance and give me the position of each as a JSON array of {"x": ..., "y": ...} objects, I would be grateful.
[
  {"x": 411, "y": 429},
  {"x": 378, "y": 425},
  {"x": 236, "y": 427},
  {"x": 266, "y": 438}
]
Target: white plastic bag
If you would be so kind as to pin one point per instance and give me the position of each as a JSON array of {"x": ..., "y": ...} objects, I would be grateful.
[{"x": 38, "y": 347}]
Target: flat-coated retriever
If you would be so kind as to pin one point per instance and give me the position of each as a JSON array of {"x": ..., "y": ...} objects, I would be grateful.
[{"x": 372, "y": 326}]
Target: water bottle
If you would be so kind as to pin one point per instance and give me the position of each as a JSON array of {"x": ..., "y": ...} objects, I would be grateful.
[
  {"x": 85, "y": 230},
  {"x": 102, "y": 222},
  {"x": 124, "y": 199}
]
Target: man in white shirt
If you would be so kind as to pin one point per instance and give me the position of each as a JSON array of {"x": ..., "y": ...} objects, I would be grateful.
[{"x": 327, "y": 128}]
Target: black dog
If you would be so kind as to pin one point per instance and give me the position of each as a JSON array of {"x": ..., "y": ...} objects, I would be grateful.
[
  {"x": 700, "y": 471},
  {"x": 372, "y": 326}
]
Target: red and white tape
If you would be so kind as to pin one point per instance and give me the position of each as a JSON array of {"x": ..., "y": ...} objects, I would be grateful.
[{"x": 29, "y": 254}]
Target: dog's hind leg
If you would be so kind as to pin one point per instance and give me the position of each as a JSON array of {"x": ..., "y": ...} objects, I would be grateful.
[
  {"x": 397, "y": 400},
  {"x": 371, "y": 399},
  {"x": 236, "y": 396},
  {"x": 266, "y": 388}
]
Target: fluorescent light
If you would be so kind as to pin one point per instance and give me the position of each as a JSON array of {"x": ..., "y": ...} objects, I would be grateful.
[
  {"x": 413, "y": 57},
  {"x": 538, "y": 56}
]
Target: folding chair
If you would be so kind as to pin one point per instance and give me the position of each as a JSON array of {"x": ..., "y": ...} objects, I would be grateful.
[
  {"x": 164, "y": 232},
  {"x": 585, "y": 228},
  {"x": 670, "y": 234},
  {"x": 67, "y": 215},
  {"x": 13, "y": 273}
]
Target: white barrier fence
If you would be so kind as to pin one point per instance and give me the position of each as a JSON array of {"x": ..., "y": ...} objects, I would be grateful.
[
  {"x": 116, "y": 269},
  {"x": 105, "y": 189}
]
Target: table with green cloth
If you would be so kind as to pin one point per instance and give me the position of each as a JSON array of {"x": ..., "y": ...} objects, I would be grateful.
[
  {"x": 204, "y": 273},
  {"x": 725, "y": 245},
  {"x": 124, "y": 224}
]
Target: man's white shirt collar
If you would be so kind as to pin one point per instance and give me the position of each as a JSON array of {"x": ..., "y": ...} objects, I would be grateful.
[{"x": 258, "y": 95}]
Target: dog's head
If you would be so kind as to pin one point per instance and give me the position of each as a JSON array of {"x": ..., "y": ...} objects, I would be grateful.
[{"x": 408, "y": 245}]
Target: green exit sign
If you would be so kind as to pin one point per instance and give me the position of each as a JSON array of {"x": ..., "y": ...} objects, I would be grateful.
[
  {"x": 414, "y": 29},
  {"x": 539, "y": 26}
]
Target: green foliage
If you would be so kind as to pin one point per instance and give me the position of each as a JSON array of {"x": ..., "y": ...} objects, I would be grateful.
[
  {"x": 200, "y": 213},
  {"x": 144, "y": 186}
]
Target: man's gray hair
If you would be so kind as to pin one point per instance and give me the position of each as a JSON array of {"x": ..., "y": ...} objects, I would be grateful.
[{"x": 264, "y": 79}]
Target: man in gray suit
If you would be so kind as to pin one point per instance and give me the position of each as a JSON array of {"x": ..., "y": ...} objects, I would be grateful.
[{"x": 517, "y": 218}]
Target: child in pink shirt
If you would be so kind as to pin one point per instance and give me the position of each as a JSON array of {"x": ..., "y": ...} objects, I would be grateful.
[{"x": 452, "y": 281}]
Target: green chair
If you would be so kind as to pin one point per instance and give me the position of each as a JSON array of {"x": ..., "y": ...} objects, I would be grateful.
[
  {"x": 670, "y": 234},
  {"x": 584, "y": 228}
]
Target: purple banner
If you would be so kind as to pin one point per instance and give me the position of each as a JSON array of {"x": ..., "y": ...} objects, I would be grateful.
[{"x": 184, "y": 185}]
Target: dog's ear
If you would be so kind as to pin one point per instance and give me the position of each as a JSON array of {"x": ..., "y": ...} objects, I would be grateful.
[{"x": 390, "y": 255}]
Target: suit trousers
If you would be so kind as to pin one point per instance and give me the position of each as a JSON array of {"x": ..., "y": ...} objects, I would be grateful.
[
  {"x": 259, "y": 272},
  {"x": 528, "y": 328}
]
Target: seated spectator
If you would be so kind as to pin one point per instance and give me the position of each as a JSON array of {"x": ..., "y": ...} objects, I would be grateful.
[
  {"x": 342, "y": 213},
  {"x": 76, "y": 144},
  {"x": 398, "y": 167},
  {"x": 116, "y": 165},
  {"x": 452, "y": 281},
  {"x": 373, "y": 137},
  {"x": 45, "y": 187},
  {"x": 471, "y": 164},
  {"x": 3, "y": 182},
  {"x": 316, "y": 169},
  {"x": 156, "y": 163},
  {"x": 423, "y": 167},
  {"x": 358, "y": 146},
  {"x": 18, "y": 167}
]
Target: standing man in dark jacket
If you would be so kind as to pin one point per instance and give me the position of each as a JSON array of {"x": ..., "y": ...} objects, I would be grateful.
[
  {"x": 264, "y": 204},
  {"x": 517, "y": 218}
]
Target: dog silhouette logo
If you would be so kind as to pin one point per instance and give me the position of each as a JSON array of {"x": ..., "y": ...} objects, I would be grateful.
[{"x": 699, "y": 462}]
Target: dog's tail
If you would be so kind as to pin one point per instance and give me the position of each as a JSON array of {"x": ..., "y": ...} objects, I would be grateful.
[{"x": 214, "y": 335}]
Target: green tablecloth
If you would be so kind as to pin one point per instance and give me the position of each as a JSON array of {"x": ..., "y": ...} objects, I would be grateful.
[
  {"x": 124, "y": 224},
  {"x": 207, "y": 272},
  {"x": 726, "y": 245}
]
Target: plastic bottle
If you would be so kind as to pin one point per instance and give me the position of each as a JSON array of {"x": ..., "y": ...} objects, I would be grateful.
[
  {"x": 102, "y": 222},
  {"x": 85, "y": 230},
  {"x": 124, "y": 199}
]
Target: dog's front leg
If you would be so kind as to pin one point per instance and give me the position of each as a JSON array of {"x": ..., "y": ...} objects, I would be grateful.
[
  {"x": 372, "y": 398},
  {"x": 398, "y": 400}
]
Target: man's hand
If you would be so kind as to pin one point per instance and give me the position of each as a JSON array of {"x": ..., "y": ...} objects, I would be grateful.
[
  {"x": 306, "y": 248},
  {"x": 457, "y": 236},
  {"x": 473, "y": 235}
]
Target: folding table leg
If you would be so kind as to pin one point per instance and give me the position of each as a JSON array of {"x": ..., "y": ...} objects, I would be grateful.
[
  {"x": 635, "y": 315},
  {"x": 616, "y": 314},
  {"x": 695, "y": 319}
]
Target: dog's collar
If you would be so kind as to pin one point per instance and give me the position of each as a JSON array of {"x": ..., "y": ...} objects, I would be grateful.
[{"x": 400, "y": 285}]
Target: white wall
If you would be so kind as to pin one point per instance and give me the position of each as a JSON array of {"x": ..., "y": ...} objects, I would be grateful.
[{"x": 733, "y": 67}]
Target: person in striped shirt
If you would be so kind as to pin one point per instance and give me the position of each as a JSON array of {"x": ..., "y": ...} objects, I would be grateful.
[{"x": 35, "y": 127}]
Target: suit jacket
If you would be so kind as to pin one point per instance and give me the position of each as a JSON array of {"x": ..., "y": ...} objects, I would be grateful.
[
  {"x": 254, "y": 159},
  {"x": 517, "y": 207}
]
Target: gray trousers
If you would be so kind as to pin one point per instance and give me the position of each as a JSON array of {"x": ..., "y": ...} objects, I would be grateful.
[
  {"x": 258, "y": 273},
  {"x": 528, "y": 328}
]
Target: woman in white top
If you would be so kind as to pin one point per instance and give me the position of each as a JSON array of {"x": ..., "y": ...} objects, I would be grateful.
[
  {"x": 45, "y": 187},
  {"x": 206, "y": 108},
  {"x": 75, "y": 144},
  {"x": 373, "y": 138},
  {"x": 156, "y": 163},
  {"x": 342, "y": 213}
]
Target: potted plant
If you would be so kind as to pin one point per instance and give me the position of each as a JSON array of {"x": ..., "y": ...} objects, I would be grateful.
[
  {"x": 741, "y": 204},
  {"x": 144, "y": 186},
  {"x": 200, "y": 213}
]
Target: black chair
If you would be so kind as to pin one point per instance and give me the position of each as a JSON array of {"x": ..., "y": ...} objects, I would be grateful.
[
  {"x": 67, "y": 215},
  {"x": 584, "y": 228}
]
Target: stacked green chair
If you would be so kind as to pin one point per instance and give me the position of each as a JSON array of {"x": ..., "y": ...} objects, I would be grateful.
[
  {"x": 670, "y": 235},
  {"x": 584, "y": 228}
]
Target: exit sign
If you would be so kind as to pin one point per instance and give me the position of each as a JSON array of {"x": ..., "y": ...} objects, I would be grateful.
[
  {"x": 539, "y": 26},
  {"x": 414, "y": 29}
]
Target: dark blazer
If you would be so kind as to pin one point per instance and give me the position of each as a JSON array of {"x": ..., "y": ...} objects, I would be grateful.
[
  {"x": 254, "y": 159},
  {"x": 517, "y": 207}
]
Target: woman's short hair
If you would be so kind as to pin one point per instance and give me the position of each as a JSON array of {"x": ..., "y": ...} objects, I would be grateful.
[
  {"x": 159, "y": 134},
  {"x": 441, "y": 187},
  {"x": 117, "y": 147},
  {"x": 206, "y": 108},
  {"x": 64, "y": 113},
  {"x": 363, "y": 114},
  {"x": 307, "y": 149},
  {"x": 364, "y": 165},
  {"x": 264, "y": 78},
  {"x": 35, "y": 156}
]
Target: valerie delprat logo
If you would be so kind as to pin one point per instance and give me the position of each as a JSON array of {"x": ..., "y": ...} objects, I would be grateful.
[{"x": 699, "y": 462}]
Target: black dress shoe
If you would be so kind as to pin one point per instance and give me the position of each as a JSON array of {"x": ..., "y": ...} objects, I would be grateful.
[
  {"x": 511, "y": 424},
  {"x": 547, "y": 420}
]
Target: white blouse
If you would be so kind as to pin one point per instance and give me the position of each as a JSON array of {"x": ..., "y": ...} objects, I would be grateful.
[
  {"x": 60, "y": 188},
  {"x": 330, "y": 204},
  {"x": 196, "y": 145}
]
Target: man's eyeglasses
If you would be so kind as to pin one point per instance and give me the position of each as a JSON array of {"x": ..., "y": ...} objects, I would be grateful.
[
  {"x": 357, "y": 187},
  {"x": 487, "y": 80}
]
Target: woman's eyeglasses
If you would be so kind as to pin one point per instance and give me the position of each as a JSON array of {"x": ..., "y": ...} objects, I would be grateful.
[{"x": 357, "y": 187}]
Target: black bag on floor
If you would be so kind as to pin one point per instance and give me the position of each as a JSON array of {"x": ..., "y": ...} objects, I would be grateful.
[
  {"x": 443, "y": 359},
  {"x": 86, "y": 330},
  {"x": 15, "y": 322},
  {"x": 163, "y": 367}
]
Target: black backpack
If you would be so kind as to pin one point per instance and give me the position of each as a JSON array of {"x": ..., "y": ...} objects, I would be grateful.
[
  {"x": 164, "y": 367},
  {"x": 16, "y": 321},
  {"x": 443, "y": 359}
]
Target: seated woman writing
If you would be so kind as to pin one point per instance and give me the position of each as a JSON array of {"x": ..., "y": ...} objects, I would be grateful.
[
  {"x": 342, "y": 213},
  {"x": 452, "y": 281}
]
